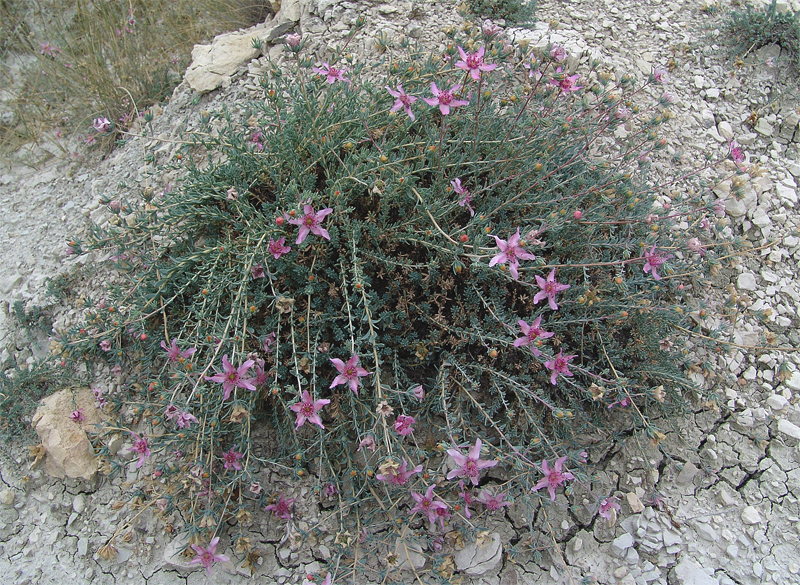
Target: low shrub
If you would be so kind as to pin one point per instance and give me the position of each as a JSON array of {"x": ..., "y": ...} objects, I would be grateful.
[
  {"x": 513, "y": 11},
  {"x": 433, "y": 273},
  {"x": 753, "y": 28}
]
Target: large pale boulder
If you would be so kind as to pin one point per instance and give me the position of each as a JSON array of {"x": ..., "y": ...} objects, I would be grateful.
[
  {"x": 69, "y": 452},
  {"x": 212, "y": 65}
]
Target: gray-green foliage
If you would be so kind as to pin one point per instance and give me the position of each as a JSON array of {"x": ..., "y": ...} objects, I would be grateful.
[{"x": 753, "y": 28}]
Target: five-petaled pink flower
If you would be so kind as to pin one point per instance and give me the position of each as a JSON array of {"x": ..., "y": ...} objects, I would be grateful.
[
  {"x": 427, "y": 505},
  {"x": 332, "y": 73},
  {"x": 311, "y": 222},
  {"x": 77, "y": 416},
  {"x": 491, "y": 501},
  {"x": 466, "y": 198},
  {"x": 608, "y": 509},
  {"x": 231, "y": 459},
  {"x": 403, "y": 425},
  {"x": 566, "y": 83},
  {"x": 403, "y": 100},
  {"x": 473, "y": 63},
  {"x": 445, "y": 99},
  {"x": 208, "y": 556},
  {"x": 349, "y": 373},
  {"x": 174, "y": 353},
  {"x": 558, "y": 52},
  {"x": 554, "y": 477},
  {"x": 559, "y": 365},
  {"x": 511, "y": 252},
  {"x": 231, "y": 377},
  {"x": 549, "y": 289},
  {"x": 307, "y": 410},
  {"x": 469, "y": 465},
  {"x": 400, "y": 475},
  {"x": 531, "y": 333},
  {"x": 277, "y": 248},
  {"x": 141, "y": 447},
  {"x": 48, "y": 50},
  {"x": 282, "y": 508},
  {"x": 654, "y": 260},
  {"x": 105, "y": 345}
]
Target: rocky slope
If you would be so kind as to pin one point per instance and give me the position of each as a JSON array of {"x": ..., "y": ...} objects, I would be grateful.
[{"x": 715, "y": 503}]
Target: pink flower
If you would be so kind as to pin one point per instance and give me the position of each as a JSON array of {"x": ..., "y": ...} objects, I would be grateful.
[
  {"x": 268, "y": 342},
  {"x": 737, "y": 154},
  {"x": 293, "y": 40},
  {"x": 559, "y": 365},
  {"x": 48, "y": 50},
  {"x": 174, "y": 353},
  {"x": 490, "y": 29},
  {"x": 277, "y": 249},
  {"x": 310, "y": 222},
  {"x": 427, "y": 505},
  {"x": 349, "y": 373},
  {"x": 403, "y": 100},
  {"x": 105, "y": 345},
  {"x": 442, "y": 514},
  {"x": 400, "y": 475},
  {"x": 553, "y": 477},
  {"x": 491, "y": 501},
  {"x": 419, "y": 392},
  {"x": 208, "y": 556},
  {"x": 566, "y": 83},
  {"x": 467, "y": 497},
  {"x": 695, "y": 245},
  {"x": 474, "y": 63},
  {"x": 654, "y": 262},
  {"x": 184, "y": 419},
  {"x": 549, "y": 289},
  {"x": 558, "y": 52},
  {"x": 660, "y": 75},
  {"x": 470, "y": 465},
  {"x": 511, "y": 252},
  {"x": 261, "y": 376},
  {"x": 232, "y": 194},
  {"x": 608, "y": 509},
  {"x": 445, "y": 99},
  {"x": 77, "y": 416},
  {"x": 255, "y": 488},
  {"x": 368, "y": 442},
  {"x": 403, "y": 425},
  {"x": 307, "y": 410},
  {"x": 231, "y": 377},
  {"x": 281, "y": 508},
  {"x": 531, "y": 334},
  {"x": 101, "y": 124},
  {"x": 231, "y": 459},
  {"x": 140, "y": 446},
  {"x": 466, "y": 198},
  {"x": 332, "y": 73}
]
